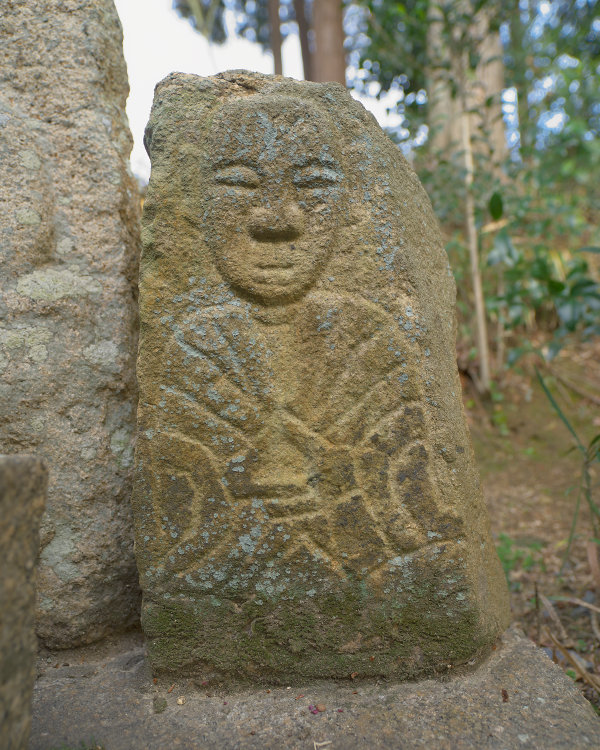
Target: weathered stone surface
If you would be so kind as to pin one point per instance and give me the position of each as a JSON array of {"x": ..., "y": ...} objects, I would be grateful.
[
  {"x": 116, "y": 703},
  {"x": 306, "y": 501},
  {"x": 69, "y": 244},
  {"x": 23, "y": 482}
]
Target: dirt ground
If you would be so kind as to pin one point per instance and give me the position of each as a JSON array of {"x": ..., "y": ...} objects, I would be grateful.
[{"x": 531, "y": 475}]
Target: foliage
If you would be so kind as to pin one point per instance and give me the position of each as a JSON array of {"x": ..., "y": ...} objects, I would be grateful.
[
  {"x": 553, "y": 61},
  {"x": 269, "y": 22},
  {"x": 392, "y": 48},
  {"x": 590, "y": 454},
  {"x": 534, "y": 276},
  {"x": 499, "y": 416},
  {"x": 516, "y": 556},
  {"x": 252, "y": 18},
  {"x": 206, "y": 16},
  {"x": 544, "y": 286},
  {"x": 539, "y": 272},
  {"x": 390, "y": 44}
]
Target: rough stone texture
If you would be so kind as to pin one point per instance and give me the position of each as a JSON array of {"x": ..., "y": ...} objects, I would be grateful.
[
  {"x": 305, "y": 497},
  {"x": 23, "y": 482},
  {"x": 115, "y": 702},
  {"x": 69, "y": 245}
]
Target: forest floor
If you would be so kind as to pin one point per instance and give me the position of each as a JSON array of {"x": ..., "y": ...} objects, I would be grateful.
[{"x": 531, "y": 475}]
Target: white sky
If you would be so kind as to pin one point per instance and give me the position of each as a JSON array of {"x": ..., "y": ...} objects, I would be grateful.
[{"x": 157, "y": 42}]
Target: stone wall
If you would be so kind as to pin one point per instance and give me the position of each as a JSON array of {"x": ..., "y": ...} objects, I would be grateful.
[{"x": 69, "y": 240}]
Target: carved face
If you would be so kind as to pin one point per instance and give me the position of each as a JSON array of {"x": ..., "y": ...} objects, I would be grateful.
[{"x": 275, "y": 196}]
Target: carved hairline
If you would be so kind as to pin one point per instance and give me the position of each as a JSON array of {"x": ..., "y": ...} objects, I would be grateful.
[{"x": 204, "y": 96}]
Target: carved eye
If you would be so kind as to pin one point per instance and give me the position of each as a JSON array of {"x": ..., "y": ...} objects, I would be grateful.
[
  {"x": 237, "y": 176},
  {"x": 316, "y": 177}
]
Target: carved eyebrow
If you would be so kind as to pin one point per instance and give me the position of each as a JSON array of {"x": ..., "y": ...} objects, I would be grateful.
[
  {"x": 237, "y": 174},
  {"x": 316, "y": 175},
  {"x": 315, "y": 161},
  {"x": 234, "y": 161}
]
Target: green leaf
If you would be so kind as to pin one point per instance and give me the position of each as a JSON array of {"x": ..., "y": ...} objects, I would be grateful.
[
  {"x": 496, "y": 206},
  {"x": 559, "y": 411},
  {"x": 503, "y": 250},
  {"x": 582, "y": 285},
  {"x": 519, "y": 351},
  {"x": 555, "y": 287},
  {"x": 589, "y": 249}
]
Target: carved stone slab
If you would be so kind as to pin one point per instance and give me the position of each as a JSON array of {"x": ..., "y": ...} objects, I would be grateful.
[{"x": 306, "y": 501}]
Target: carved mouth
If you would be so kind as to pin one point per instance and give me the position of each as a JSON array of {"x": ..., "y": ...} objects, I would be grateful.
[
  {"x": 271, "y": 273},
  {"x": 273, "y": 233},
  {"x": 274, "y": 266}
]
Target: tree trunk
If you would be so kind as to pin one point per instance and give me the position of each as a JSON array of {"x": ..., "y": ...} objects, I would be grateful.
[
  {"x": 465, "y": 120},
  {"x": 329, "y": 58},
  {"x": 444, "y": 106},
  {"x": 303, "y": 29},
  {"x": 472, "y": 238},
  {"x": 517, "y": 41},
  {"x": 275, "y": 36},
  {"x": 485, "y": 96},
  {"x": 483, "y": 87}
]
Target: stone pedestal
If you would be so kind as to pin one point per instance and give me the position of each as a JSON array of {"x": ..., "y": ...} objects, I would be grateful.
[
  {"x": 516, "y": 700},
  {"x": 22, "y": 496}
]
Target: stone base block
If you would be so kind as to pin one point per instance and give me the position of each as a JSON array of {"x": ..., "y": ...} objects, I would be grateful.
[{"x": 517, "y": 698}]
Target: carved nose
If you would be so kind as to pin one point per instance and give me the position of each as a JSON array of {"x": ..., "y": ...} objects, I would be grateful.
[{"x": 281, "y": 225}]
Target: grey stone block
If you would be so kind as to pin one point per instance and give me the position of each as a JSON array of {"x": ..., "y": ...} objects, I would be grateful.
[
  {"x": 22, "y": 497},
  {"x": 517, "y": 698}
]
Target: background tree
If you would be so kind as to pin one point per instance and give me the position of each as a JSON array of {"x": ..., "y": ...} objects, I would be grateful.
[
  {"x": 451, "y": 63},
  {"x": 465, "y": 83},
  {"x": 448, "y": 54},
  {"x": 319, "y": 25},
  {"x": 537, "y": 155},
  {"x": 329, "y": 62},
  {"x": 275, "y": 36}
]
